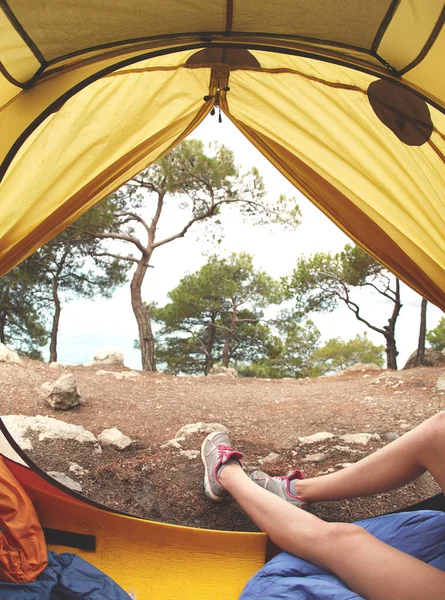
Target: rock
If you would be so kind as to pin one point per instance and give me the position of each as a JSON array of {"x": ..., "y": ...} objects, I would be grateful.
[
  {"x": 314, "y": 457},
  {"x": 270, "y": 459},
  {"x": 390, "y": 436},
  {"x": 432, "y": 358},
  {"x": 54, "y": 365},
  {"x": 190, "y": 454},
  {"x": 114, "y": 437},
  {"x": 199, "y": 427},
  {"x": 220, "y": 370},
  {"x": 8, "y": 355},
  {"x": 65, "y": 480},
  {"x": 108, "y": 356},
  {"x": 316, "y": 437},
  {"x": 61, "y": 393},
  {"x": 174, "y": 443},
  {"x": 77, "y": 469},
  {"x": 21, "y": 427},
  {"x": 127, "y": 375},
  {"x": 440, "y": 383},
  {"x": 344, "y": 465},
  {"x": 387, "y": 377},
  {"x": 359, "y": 438},
  {"x": 363, "y": 367},
  {"x": 347, "y": 449},
  {"x": 119, "y": 375}
]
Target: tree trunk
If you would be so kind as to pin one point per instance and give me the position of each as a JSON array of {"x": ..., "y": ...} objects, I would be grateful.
[
  {"x": 143, "y": 317},
  {"x": 391, "y": 351},
  {"x": 56, "y": 319},
  {"x": 2, "y": 328},
  {"x": 391, "y": 348},
  {"x": 229, "y": 335},
  {"x": 422, "y": 333},
  {"x": 209, "y": 349}
]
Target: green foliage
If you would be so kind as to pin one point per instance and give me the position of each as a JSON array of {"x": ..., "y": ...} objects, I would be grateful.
[
  {"x": 22, "y": 300},
  {"x": 72, "y": 264},
  {"x": 323, "y": 281},
  {"x": 78, "y": 264},
  {"x": 290, "y": 353},
  {"x": 337, "y": 354},
  {"x": 202, "y": 182},
  {"x": 215, "y": 315},
  {"x": 436, "y": 336}
]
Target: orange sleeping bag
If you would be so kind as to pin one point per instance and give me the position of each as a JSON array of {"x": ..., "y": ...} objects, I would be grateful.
[{"x": 23, "y": 553}]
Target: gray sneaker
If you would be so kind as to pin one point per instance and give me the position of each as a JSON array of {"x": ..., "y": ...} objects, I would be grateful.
[
  {"x": 215, "y": 452},
  {"x": 280, "y": 486}
]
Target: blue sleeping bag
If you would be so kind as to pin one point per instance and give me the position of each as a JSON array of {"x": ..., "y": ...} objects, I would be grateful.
[
  {"x": 67, "y": 577},
  {"x": 286, "y": 577}
]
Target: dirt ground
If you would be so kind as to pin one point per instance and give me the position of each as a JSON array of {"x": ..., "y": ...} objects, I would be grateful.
[{"x": 263, "y": 416}]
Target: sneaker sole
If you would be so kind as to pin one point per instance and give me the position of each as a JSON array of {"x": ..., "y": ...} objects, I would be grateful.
[{"x": 207, "y": 487}]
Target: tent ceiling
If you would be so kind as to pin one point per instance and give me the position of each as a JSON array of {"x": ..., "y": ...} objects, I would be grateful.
[{"x": 345, "y": 97}]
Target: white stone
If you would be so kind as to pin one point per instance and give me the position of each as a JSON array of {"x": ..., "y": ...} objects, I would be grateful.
[
  {"x": 313, "y": 457},
  {"x": 316, "y": 437},
  {"x": 440, "y": 383},
  {"x": 109, "y": 356},
  {"x": 8, "y": 355},
  {"x": 127, "y": 375},
  {"x": 363, "y": 367},
  {"x": 174, "y": 443},
  {"x": 190, "y": 454},
  {"x": 114, "y": 437},
  {"x": 387, "y": 377},
  {"x": 54, "y": 365},
  {"x": 359, "y": 438},
  {"x": 20, "y": 427},
  {"x": 61, "y": 393},
  {"x": 199, "y": 427},
  {"x": 65, "y": 480},
  {"x": 271, "y": 458},
  {"x": 77, "y": 469}
]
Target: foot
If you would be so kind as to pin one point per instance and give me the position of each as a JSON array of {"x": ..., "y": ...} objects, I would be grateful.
[
  {"x": 216, "y": 451},
  {"x": 281, "y": 486}
]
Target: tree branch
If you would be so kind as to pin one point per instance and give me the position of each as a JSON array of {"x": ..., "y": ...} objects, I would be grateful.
[
  {"x": 134, "y": 217},
  {"x": 118, "y": 256},
  {"x": 183, "y": 231},
  {"x": 122, "y": 236}
]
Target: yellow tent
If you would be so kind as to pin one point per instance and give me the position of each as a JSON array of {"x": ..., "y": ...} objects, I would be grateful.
[{"x": 345, "y": 97}]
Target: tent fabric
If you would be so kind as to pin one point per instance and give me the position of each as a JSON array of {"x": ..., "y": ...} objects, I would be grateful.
[
  {"x": 156, "y": 560},
  {"x": 346, "y": 98},
  {"x": 420, "y": 534}
]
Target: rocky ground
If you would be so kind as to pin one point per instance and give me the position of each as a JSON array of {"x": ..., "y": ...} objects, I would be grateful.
[{"x": 267, "y": 419}]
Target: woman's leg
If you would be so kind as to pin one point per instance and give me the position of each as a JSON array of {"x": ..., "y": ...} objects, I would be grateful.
[
  {"x": 368, "y": 566},
  {"x": 398, "y": 463}
]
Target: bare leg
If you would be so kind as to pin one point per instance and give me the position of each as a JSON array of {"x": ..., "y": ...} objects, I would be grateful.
[
  {"x": 368, "y": 566},
  {"x": 400, "y": 462}
]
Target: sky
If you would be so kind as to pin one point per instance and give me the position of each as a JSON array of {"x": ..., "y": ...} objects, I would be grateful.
[{"x": 88, "y": 326}]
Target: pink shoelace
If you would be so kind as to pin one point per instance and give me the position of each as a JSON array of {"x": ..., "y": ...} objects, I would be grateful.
[{"x": 225, "y": 453}]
